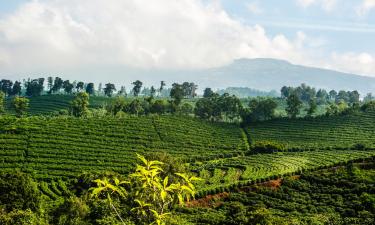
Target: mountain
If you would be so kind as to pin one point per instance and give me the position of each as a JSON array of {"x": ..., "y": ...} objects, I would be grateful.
[
  {"x": 272, "y": 74},
  {"x": 260, "y": 74}
]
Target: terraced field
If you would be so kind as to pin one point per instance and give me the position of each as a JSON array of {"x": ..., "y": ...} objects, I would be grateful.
[
  {"x": 47, "y": 104},
  {"x": 65, "y": 146},
  {"x": 244, "y": 170},
  {"x": 340, "y": 132}
]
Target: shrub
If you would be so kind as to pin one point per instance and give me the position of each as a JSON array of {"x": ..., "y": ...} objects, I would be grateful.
[
  {"x": 18, "y": 191},
  {"x": 267, "y": 147}
]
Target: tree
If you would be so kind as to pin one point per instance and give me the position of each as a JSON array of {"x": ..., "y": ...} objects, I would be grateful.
[
  {"x": 152, "y": 91},
  {"x": 57, "y": 85},
  {"x": 137, "y": 87},
  {"x": 262, "y": 109},
  {"x": 34, "y": 87},
  {"x": 109, "y": 89},
  {"x": 177, "y": 93},
  {"x": 149, "y": 190},
  {"x": 342, "y": 96},
  {"x": 21, "y": 105},
  {"x": 122, "y": 91},
  {"x": 100, "y": 88},
  {"x": 68, "y": 87},
  {"x": 332, "y": 94},
  {"x": 312, "y": 107},
  {"x": 285, "y": 91},
  {"x": 294, "y": 105},
  {"x": 49, "y": 84},
  {"x": 162, "y": 85},
  {"x": 80, "y": 86},
  {"x": 205, "y": 108},
  {"x": 6, "y": 86},
  {"x": 353, "y": 97},
  {"x": 230, "y": 106},
  {"x": 2, "y": 102},
  {"x": 322, "y": 96},
  {"x": 90, "y": 88},
  {"x": 79, "y": 106},
  {"x": 208, "y": 93},
  {"x": 16, "y": 90}
]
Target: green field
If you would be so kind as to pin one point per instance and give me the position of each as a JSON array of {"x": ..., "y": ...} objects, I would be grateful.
[
  {"x": 335, "y": 132},
  {"x": 67, "y": 146},
  {"x": 47, "y": 104}
]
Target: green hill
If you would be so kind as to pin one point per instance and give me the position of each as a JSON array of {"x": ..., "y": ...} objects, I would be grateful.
[
  {"x": 338, "y": 132},
  {"x": 67, "y": 146}
]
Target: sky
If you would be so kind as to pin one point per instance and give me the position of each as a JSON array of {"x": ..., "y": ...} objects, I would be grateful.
[{"x": 60, "y": 36}]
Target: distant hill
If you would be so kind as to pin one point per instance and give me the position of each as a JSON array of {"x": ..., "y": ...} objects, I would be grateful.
[
  {"x": 272, "y": 74},
  {"x": 260, "y": 74}
]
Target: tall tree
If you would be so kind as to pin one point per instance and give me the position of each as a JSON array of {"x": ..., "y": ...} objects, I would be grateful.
[
  {"x": 57, "y": 85},
  {"x": 109, "y": 89},
  {"x": 90, "y": 88},
  {"x": 34, "y": 87},
  {"x": 6, "y": 86},
  {"x": 312, "y": 107},
  {"x": 353, "y": 97},
  {"x": 193, "y": 89},
  {"x": 177, "y": 93},
  {"x": 137, "y": 87},
  {"x": 208, "y": 93},
  {"x": 16, "y": 90},
  {"x": 80, "y": 104},
  {"x": 122, "y": 91},
  {"x": 21, "y": 105},
  {"x": 294, "y": 105},
  {"x": 161, "y": 88},
  {"x": 152, "y": 91},
  {"x": 332, "y": 94},
  {"x": 262, "y": 109},
  {"x": 68, "y": 87},
  {"x": 49, "y": 84},
  {"x": 80, "y": 86}
]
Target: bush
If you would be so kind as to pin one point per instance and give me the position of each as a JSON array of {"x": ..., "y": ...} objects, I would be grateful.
[
  {"x": 267, "y": 147},
  {"x": 18, "y": 191},
  {"x": 20, "y": 217}
]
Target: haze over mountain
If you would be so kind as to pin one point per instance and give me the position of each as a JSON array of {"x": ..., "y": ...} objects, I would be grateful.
[{"x": 262, "y": 74}]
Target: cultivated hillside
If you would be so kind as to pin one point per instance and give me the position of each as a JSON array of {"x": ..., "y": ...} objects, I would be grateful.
[
  {"x": 335, "y": 132},
  {"x": 66, "y": 146}
]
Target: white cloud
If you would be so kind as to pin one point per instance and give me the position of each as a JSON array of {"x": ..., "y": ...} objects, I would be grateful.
[
  {"x": 254, "y": 8},
  {"x": 163, "y": 34},
  {"x": 365, "y": 7},
  {"x": 359, "y": 63},
  {"x": 327, "y": 5},
  {"x": 44, "y": 36}
]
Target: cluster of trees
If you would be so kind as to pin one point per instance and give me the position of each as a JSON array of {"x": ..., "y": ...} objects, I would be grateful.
[
  {"x": 35, "y": 87},
  {"x": 217, "y": 107},
  {"x": 306, "y": 94},
  {"x": 19, "y": 104},
  {"x": 9, "y": 88}
]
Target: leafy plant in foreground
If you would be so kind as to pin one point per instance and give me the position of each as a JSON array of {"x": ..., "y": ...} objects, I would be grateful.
[{"x": 148, "y": 190}]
